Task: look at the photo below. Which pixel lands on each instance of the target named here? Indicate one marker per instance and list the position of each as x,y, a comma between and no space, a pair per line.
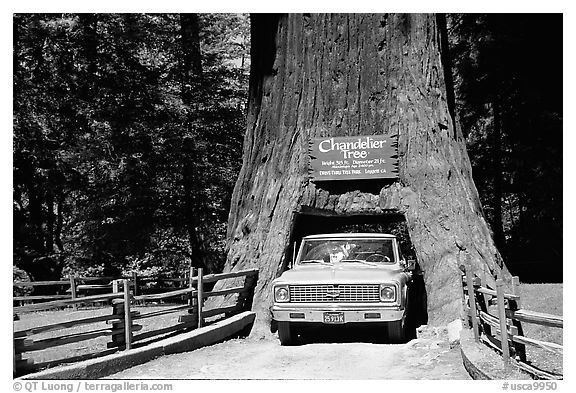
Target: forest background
128,133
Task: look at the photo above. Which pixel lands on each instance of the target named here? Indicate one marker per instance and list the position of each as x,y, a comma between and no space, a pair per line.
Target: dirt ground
344,355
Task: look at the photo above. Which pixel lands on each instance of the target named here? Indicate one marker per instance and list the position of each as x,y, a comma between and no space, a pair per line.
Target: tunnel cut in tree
311,222
356,74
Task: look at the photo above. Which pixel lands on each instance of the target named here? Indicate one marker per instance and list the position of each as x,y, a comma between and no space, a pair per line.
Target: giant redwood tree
346,75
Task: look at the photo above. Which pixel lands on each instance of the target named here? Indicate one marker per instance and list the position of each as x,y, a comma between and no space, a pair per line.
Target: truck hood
349,273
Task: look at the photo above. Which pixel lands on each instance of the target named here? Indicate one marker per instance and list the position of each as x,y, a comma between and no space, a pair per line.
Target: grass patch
87,348
546,298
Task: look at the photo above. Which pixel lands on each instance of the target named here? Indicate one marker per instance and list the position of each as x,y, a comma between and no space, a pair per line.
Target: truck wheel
396,332
286,333
409,331
410,319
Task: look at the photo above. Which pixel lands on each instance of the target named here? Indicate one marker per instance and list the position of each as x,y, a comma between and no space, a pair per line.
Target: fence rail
81,286
123,323
503,332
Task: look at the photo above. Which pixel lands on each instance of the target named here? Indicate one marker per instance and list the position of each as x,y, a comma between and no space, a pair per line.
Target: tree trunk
50,221
191,73
356,74
59,223
191,60
191,206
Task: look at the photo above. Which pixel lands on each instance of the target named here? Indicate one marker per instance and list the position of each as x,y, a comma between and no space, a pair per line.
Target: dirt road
427,357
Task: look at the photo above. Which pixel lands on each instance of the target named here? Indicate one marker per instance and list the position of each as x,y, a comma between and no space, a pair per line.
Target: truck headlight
281,294
387,293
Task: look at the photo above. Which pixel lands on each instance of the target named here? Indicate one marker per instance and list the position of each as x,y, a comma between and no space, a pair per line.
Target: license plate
333,317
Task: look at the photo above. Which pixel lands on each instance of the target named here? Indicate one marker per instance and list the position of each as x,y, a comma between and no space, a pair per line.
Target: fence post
191,317
503,325
190,285
484,283
73,291
519,349
117,339
191,297
127,315
245,299
200,295
472,302
516,290
115,286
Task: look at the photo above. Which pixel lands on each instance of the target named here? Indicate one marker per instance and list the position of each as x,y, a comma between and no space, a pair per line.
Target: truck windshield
375,251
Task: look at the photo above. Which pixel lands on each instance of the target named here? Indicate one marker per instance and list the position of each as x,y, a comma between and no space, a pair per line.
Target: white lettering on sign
353,149
355,157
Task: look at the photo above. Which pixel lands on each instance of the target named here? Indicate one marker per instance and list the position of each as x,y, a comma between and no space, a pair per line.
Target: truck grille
328,293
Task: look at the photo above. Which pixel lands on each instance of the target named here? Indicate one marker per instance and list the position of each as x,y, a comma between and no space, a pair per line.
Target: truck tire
411,317
409,332
286,333
396,332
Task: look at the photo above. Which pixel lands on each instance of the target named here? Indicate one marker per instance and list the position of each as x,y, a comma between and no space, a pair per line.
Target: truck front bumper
352,314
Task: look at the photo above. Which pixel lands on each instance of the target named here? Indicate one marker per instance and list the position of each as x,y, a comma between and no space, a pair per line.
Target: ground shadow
373,333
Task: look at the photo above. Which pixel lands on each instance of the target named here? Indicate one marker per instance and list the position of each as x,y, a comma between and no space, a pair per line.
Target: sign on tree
357,157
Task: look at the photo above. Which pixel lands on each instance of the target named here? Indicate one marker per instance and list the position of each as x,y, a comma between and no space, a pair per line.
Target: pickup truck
345,278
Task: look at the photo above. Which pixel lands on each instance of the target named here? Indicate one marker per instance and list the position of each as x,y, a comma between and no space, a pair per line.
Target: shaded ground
547,298
349,356
96,346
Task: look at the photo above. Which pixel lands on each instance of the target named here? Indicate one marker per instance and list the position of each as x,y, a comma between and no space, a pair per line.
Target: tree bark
191,70
191,61
59,222
356,74
35,199
191,207
50,221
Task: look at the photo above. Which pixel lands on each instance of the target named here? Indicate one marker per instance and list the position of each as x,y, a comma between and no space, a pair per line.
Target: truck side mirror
411,265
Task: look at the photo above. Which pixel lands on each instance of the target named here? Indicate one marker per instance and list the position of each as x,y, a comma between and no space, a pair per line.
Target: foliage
102,136
19,275
127,144
509,100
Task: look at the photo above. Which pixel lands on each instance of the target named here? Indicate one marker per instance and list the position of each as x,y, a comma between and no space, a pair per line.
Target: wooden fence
74,287
496,319
121,326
